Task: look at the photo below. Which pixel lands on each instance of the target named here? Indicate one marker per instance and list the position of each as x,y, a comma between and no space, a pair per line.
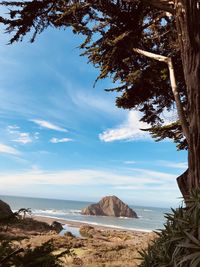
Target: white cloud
49,125
128,187
129,130
137,177
55,140
158,187
142,185
21,137
86,100
129,162
162,176
35,167
176,165
5,149
169,116
13,128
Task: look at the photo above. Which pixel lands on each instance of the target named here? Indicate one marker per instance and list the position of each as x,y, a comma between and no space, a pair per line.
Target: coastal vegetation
178,245
31,257
28,242
32,243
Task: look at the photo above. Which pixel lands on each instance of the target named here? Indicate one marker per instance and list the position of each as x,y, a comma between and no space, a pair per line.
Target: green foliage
178,245
12,255
40,256
5,250
112,29
23,222
15,216
173,131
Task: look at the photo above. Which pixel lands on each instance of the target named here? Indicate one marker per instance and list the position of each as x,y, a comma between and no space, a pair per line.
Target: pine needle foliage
172,131
178,245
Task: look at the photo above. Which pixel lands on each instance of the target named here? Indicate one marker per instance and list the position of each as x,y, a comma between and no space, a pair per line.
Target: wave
97,224
112,226
52,217
147,210
75,211
125,218
56,212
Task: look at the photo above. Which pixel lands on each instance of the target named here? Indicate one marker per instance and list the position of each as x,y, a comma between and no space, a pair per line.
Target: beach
93,241
96,246
100,246
149,218
78,224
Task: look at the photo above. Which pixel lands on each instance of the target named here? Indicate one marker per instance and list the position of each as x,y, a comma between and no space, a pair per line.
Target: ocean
150,218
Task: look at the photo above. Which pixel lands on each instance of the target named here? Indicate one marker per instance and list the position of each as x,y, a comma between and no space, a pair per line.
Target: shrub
40,256
178,244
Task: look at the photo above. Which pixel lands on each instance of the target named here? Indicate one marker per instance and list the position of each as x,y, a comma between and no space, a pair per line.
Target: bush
40,256
178,245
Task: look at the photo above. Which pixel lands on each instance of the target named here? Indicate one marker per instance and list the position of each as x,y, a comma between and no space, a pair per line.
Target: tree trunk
188,28
182,182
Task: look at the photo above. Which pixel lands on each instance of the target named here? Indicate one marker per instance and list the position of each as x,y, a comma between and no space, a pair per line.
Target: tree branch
177,98
165,5
5,259
151,55
179,105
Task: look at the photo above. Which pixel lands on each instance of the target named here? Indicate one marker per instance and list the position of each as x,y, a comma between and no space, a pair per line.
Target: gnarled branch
179,105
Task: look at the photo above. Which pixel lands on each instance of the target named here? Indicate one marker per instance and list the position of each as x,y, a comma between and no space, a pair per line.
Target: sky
62,138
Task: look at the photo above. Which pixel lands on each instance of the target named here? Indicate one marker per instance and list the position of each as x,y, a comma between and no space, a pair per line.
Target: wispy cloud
170,164
21,137
158,187
49,125
129,130
139,177
24,138
55,140
161,188
90,101
5,149
169,116
130,162
13,128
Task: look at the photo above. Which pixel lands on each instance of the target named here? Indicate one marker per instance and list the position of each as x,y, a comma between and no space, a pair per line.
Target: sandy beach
77,224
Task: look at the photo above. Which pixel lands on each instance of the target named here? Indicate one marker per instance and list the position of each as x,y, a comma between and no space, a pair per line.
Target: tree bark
187,14
182,182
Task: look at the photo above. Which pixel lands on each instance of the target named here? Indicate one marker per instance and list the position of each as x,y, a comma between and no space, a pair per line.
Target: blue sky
62,138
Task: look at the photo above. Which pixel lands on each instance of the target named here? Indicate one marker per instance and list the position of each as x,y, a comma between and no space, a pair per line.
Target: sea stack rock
5,210
110,206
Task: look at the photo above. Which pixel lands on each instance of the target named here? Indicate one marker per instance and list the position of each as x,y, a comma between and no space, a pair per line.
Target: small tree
24,212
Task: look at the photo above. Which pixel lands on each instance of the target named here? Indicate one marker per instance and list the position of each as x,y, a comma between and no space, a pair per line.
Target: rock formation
5,210
86,231
57,226
110,206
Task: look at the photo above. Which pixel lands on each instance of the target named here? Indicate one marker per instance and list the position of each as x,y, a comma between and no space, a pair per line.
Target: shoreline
97,246
77,224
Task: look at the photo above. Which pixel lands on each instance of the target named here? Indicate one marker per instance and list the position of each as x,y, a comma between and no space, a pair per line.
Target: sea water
150,218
